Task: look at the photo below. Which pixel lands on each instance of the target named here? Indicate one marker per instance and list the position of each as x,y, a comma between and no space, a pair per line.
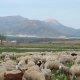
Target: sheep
74,71
47,73
65,59
12,55
9,64
26,63
30,63
7,57
78,78
21,64
24,57
2,70
64,70
77,61
51,57
35,67
33,75
20,54
4,53
52,65
13,75
1,75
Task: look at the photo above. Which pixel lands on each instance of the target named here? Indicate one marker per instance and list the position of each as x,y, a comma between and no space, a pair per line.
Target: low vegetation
37,47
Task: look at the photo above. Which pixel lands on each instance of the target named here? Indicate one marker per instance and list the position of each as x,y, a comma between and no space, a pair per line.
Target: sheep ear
60,67
19,69
24,70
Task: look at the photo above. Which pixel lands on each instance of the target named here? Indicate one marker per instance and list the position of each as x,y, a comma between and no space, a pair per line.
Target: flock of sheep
39,65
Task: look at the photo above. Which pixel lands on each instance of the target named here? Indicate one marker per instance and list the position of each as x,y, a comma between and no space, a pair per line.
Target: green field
39,47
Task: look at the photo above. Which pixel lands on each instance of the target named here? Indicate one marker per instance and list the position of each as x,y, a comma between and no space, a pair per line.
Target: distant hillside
14,25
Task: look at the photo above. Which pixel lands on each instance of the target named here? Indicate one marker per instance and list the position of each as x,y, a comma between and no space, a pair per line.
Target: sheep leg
73,78
23,78
68,77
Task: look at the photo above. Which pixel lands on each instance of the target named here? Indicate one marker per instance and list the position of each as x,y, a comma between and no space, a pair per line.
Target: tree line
2,38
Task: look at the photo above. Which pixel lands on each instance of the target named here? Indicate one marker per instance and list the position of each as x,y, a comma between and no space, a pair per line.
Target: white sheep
52,65
33,75
47,73
75,71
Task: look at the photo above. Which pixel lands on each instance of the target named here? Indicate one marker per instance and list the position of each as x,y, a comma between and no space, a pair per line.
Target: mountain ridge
16,25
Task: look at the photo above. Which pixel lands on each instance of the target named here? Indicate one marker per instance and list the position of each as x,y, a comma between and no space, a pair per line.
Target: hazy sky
65,11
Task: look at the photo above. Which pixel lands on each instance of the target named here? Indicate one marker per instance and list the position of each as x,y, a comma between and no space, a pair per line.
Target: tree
2,37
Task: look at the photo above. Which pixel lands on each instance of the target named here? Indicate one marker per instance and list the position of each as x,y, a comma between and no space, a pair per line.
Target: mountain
18,25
